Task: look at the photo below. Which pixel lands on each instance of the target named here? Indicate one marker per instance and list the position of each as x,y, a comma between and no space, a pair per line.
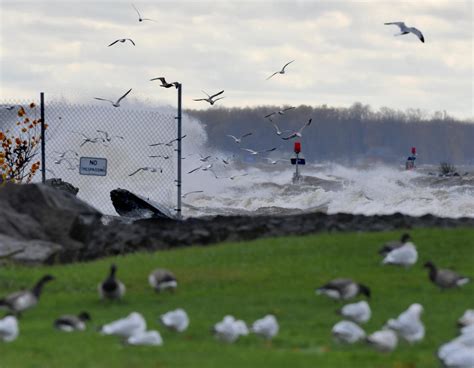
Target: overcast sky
342,50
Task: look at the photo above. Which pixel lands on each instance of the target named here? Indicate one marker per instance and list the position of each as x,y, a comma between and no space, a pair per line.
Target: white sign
93,166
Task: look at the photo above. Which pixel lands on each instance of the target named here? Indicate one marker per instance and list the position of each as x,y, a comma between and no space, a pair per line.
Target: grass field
247,280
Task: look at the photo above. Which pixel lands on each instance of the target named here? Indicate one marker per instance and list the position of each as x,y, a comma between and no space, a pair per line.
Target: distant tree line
346,135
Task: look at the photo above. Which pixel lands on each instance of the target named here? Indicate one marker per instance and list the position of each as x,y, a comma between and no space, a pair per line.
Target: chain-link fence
77,136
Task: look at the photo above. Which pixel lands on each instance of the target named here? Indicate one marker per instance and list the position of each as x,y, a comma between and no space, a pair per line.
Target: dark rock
58,183
129,204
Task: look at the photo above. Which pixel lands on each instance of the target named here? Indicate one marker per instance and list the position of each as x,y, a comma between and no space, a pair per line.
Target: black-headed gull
140,19
164,83
125,327
406,255
342,289
9,329
192,192
444,278
266,327
145,338
175,320
116,103
238,140
252,152
147,168
405,30
169,144
280,112
107,137
358,312
347,332
211,99
408,325
282,71
298,133
383,340
229,329
122,40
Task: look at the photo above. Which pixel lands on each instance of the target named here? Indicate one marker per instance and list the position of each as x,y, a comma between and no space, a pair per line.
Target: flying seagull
164,83
193,192
405,30
87,139
166,157
122,40
281,112
63,154
238,140
282,71
117,103
193,170
107,137
273,162
147,168
252,152
140,19
169,144
298,133
278,131
211,99
204,158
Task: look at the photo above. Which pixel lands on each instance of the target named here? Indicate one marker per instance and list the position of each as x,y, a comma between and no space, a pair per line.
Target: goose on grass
444,278
343,289
161,279
111,287
69,323
26,299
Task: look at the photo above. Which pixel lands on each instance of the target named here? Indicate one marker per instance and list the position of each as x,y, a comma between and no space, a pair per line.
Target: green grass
247,280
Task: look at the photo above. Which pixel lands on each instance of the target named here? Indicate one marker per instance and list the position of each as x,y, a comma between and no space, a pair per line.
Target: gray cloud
343,51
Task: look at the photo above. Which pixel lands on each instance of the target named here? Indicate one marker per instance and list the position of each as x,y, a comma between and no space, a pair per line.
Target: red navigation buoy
297,147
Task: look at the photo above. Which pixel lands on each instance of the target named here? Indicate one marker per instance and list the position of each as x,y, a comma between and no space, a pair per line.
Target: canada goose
383,340
229,329
347,332
125,327
342,289
445,279
111,288
145,338
69,323
358,312
176,320
9,328
266,327
408,325
161,279
23,300
405,30
391,245
406,255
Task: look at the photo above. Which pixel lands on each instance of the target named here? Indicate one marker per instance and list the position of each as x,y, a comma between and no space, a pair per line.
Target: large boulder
46,216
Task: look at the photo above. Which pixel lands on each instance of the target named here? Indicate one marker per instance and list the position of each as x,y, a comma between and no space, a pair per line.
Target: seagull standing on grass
298,133
211,99
238,140
122,40
266,327
125,327
405,30
405,255
358,312
383,340
116,103
347,332
176,320
9,330
164,83
282,71
408,325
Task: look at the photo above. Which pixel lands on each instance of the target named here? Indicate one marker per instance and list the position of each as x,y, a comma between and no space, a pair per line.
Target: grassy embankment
247,280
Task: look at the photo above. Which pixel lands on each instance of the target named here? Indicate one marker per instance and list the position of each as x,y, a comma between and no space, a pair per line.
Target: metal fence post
178,208
43,140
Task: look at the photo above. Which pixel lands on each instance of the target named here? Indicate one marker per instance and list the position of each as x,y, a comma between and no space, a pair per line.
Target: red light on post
297,147
413,150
